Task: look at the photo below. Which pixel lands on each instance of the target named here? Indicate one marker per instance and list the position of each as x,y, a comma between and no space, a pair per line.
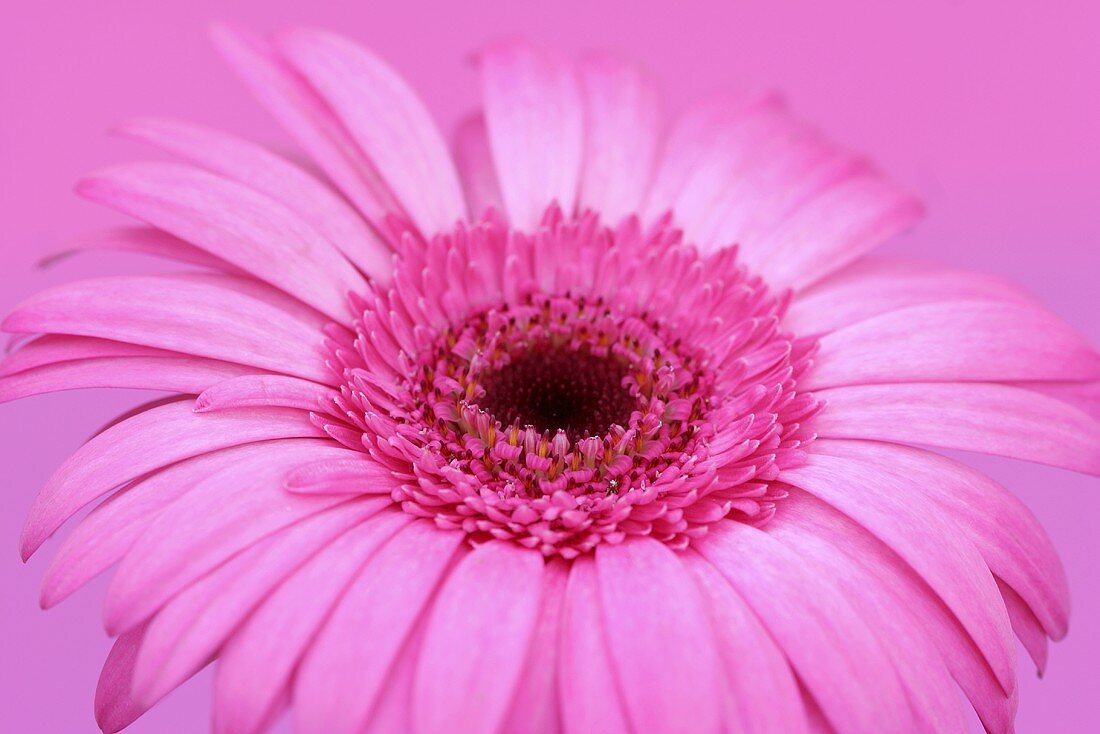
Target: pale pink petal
393,713
188,540
246,391
146,241
54,348
115,708
458,692
107,533
258,662
1082,395
590,695
300,110
183,636
346,668
388,121
763,694
622,130
953,341
659,636
355,473
890,509
535,116
185,314
271,174
872,286
234,222
841,223
171,374
836,654
1026,626
991,419
475,166
928,649
144,443
535,706
1004,531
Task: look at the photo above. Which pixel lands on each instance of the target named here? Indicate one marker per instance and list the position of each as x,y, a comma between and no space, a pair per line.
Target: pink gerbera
585,429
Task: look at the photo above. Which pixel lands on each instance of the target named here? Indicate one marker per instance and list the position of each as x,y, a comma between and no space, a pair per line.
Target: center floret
572,386
560,389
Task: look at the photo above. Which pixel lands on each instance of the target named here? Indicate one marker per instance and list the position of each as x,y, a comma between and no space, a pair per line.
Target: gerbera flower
586,428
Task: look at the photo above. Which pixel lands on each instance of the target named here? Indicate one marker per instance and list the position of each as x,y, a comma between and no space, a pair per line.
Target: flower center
560,389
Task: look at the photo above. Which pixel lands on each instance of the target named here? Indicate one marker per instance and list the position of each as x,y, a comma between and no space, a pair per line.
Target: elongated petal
300,110
833,650
535,116
992,419
875,285
587,685
249,229
146,241
257,664
115,708
1006,533
660,638
164,435
535,706
763,694
346,668
355,473
183,636
110,530
248,391
183,374
622,130
475,166
388,121
50,349
890,510
200,316
189,540
272,175
954,341
459,692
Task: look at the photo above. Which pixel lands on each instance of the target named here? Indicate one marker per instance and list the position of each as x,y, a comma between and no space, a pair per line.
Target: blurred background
988,110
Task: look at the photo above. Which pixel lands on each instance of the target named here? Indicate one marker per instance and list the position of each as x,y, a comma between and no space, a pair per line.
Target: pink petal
1082,395
873,286
247,391
622,129
924,642
488,604
763,694
838,225
207,317
248,229
1026,626
659,637
475,166
188,540
272,175
387,120
185,634
346,668
300,110
953,341
115,708
991,419
356,473
164,435
54,348
535,703
893,511
831,647
146,241
535,116
589,692
258,662
108,532
1002,528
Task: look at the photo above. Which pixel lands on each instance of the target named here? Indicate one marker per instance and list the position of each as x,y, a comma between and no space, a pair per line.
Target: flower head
584,428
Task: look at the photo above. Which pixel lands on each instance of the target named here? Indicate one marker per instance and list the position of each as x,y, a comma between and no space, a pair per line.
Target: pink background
989,110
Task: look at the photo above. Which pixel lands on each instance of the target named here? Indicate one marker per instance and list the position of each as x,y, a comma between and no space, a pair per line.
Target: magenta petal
659,636
252,391
115,708
458,692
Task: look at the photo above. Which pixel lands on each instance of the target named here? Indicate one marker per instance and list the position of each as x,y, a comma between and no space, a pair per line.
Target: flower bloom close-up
580,419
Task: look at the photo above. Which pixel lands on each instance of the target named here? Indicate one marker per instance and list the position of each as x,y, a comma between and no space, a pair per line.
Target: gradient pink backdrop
989,110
